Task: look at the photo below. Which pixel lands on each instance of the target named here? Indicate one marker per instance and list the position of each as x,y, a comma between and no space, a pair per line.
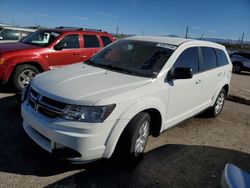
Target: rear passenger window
209,58
91,41
189,58
106,41
221,57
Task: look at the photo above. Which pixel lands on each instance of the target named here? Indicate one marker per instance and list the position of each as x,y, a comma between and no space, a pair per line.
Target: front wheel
133,140
23,74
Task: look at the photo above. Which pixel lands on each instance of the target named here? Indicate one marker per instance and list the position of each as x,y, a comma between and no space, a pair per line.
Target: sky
226,19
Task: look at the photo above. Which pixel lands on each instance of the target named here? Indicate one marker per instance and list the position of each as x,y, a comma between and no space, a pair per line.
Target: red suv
48,49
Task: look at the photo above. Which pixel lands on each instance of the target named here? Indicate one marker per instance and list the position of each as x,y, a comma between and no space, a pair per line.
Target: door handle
198,81
220,74
76,53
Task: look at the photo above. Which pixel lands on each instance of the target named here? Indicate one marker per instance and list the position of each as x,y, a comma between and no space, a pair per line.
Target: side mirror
60,46
182,73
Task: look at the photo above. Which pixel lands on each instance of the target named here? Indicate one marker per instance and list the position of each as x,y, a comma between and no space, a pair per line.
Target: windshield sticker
55,34
168,46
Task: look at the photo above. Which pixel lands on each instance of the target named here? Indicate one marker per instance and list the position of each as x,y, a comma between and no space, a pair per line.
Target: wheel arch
34,63
222,86
156,116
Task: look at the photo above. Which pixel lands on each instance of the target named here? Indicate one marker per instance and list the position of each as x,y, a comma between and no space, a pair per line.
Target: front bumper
88,139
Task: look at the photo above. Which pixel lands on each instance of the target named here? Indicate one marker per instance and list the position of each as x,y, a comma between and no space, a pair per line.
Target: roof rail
63,27
79,28
89,29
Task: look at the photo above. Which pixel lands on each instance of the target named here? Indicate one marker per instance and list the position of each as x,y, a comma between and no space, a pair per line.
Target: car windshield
138,58
41,38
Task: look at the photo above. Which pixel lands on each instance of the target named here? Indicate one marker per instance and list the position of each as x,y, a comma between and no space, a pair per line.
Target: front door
184,96
67,51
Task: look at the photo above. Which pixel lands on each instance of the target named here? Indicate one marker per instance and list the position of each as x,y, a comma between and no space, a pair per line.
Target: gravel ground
193,154
240,86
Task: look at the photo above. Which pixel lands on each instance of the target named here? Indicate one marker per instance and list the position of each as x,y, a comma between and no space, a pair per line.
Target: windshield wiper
89,62
113,67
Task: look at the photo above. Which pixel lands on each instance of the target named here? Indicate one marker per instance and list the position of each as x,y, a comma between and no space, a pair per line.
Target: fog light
58,146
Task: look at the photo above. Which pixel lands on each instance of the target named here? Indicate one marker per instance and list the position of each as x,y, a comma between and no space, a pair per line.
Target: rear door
67,51
91,45
185,93
212,74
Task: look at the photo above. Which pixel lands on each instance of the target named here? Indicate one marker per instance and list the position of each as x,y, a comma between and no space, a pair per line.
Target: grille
44,105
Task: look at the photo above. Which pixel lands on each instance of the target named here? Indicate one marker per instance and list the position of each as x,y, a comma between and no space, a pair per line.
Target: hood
84,84
9,47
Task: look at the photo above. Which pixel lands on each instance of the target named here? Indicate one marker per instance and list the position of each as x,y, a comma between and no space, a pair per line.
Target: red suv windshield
41,38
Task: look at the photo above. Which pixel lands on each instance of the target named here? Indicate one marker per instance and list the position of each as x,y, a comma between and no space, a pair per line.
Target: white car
133,88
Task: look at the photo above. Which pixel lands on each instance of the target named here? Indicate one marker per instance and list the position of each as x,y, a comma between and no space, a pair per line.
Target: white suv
133,88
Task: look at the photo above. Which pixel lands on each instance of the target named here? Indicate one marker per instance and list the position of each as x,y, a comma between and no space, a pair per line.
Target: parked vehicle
240,61
133,88
48,49
234,177
10,33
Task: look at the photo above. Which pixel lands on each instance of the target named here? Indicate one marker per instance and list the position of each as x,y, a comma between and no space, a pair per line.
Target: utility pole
12,17
187,32
201,36
241,42
117,30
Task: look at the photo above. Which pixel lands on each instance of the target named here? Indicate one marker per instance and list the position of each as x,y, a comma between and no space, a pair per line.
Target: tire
133,140
216,109
237,68
23,74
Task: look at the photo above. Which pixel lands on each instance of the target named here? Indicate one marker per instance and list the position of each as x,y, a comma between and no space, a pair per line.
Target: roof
169,40
172,40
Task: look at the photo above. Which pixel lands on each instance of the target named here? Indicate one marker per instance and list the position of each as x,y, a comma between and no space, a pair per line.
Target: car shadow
166,166
6,88
170,165
243,73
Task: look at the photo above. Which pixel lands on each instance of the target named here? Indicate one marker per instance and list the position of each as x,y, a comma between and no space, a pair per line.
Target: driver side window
69,42
189,58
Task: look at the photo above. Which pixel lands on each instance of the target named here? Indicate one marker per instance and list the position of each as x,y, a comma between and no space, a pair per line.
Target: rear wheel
133,140
23,74
216,109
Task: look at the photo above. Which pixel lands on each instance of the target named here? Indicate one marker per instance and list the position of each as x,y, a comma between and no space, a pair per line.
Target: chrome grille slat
50,106
41,106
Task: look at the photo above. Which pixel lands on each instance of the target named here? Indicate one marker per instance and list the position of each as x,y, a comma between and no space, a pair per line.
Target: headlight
1,60
91,114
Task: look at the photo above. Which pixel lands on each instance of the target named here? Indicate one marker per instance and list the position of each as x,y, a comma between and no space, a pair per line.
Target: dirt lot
193,154
240,86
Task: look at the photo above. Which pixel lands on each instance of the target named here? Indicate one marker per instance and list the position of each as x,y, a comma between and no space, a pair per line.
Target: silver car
10,33
240,61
